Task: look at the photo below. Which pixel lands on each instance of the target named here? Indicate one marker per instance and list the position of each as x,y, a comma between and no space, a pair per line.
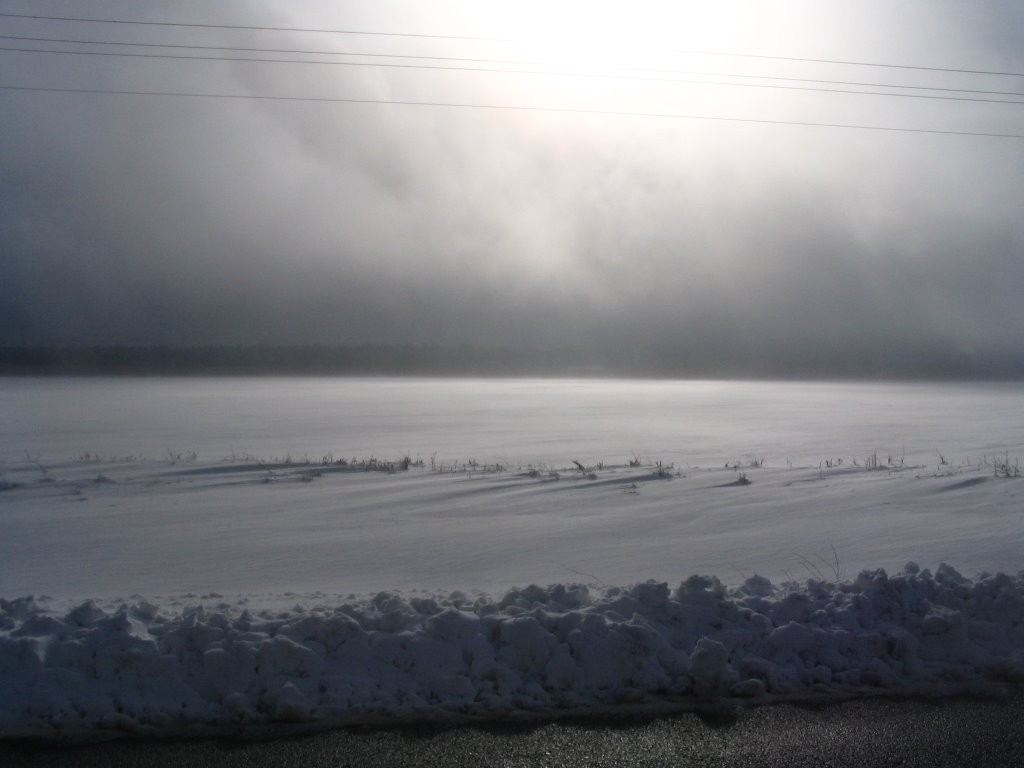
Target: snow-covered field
234,552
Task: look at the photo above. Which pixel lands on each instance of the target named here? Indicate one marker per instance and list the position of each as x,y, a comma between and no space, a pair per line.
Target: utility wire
253,28
508,107
520,62
450,68
250,27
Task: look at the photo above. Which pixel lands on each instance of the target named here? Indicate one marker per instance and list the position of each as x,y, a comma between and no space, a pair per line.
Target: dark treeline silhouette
364,359
692,361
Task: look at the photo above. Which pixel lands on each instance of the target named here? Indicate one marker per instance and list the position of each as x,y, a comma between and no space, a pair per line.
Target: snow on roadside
137,667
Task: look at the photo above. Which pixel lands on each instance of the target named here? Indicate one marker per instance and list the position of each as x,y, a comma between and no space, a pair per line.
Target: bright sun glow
650,56
645,56
606,34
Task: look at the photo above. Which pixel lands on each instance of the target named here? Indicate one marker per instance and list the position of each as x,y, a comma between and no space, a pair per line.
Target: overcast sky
130,219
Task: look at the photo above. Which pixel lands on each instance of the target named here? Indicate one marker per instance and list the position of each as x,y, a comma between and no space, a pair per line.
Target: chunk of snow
535,649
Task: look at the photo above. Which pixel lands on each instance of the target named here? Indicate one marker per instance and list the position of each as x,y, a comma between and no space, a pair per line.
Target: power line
522,62
852,63
251,27
450,68
508,107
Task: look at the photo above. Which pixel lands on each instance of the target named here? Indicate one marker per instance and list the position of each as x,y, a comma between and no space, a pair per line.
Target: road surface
863,733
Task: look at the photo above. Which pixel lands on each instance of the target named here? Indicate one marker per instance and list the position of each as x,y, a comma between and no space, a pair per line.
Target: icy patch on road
136,667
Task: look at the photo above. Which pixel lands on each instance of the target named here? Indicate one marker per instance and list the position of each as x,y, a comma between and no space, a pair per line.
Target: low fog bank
650,223
888,359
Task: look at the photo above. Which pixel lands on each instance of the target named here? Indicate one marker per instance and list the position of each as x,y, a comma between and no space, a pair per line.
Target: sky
659,181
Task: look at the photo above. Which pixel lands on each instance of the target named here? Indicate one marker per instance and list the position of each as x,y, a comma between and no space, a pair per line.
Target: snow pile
135,667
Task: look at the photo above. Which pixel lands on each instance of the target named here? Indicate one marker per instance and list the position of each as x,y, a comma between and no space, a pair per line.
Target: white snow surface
106,529
171,557
153,655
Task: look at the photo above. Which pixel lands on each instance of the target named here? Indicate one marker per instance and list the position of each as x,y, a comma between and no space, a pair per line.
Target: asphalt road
864,734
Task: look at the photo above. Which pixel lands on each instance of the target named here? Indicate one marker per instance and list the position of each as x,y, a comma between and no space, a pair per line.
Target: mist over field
705,243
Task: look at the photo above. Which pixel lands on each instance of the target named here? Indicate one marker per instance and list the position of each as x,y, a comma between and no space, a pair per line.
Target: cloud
190,221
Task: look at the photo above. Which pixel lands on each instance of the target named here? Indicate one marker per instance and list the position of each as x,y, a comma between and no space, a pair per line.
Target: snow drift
136,667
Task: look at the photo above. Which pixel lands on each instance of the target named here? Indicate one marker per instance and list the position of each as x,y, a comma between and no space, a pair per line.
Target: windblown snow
204,588
175,659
